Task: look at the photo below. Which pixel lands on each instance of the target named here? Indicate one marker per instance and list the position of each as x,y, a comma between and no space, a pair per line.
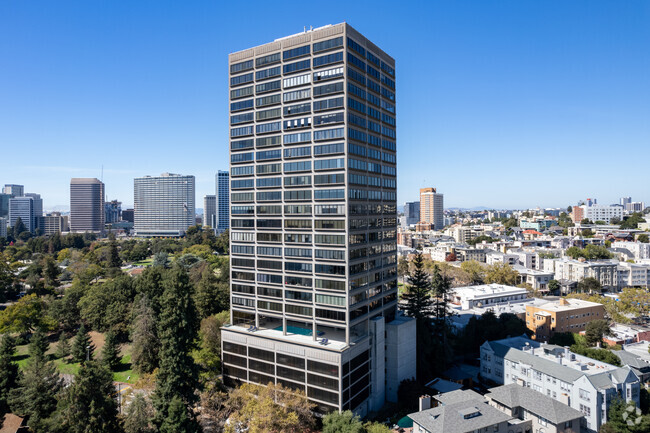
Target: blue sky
500,103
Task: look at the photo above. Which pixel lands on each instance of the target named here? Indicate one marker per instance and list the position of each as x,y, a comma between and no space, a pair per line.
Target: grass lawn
120,374
146,262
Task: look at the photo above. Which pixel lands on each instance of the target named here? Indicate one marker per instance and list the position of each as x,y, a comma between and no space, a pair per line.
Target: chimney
563,301
425,402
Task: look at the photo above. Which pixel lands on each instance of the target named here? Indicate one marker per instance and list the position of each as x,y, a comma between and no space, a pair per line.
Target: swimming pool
298,330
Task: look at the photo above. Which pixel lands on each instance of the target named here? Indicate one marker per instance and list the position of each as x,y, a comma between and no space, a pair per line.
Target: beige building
432,207
565,315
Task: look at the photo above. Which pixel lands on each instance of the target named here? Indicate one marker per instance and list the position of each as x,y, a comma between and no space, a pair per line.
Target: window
330,254
297,209
268,73
329,134
295,52
329,164
241,157
267,60
298,80
329,225
241,92
297,109
297,195
241,67
298,66
330,239
241,79
327,118
269,196
268,114
297,152
328,74
354,60
330,209
297,166
328,104
267,100
297,180
265,128
268,86
328,89
268,141
328,44
297,252
296,95
241,105
242,144
328,59
304,122
327,149
584,394
329,194
329,179
268,168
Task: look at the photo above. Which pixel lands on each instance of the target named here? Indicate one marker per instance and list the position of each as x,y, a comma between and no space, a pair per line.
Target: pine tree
38,344
88,404
178,420
440,286
139,415
177,330
114,260
63,347
418,295
144,354
110,351
82,346
8,371
35,395
19,227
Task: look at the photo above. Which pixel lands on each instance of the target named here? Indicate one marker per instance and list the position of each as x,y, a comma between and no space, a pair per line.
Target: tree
82,347
25,315
88,404
632,222
590,285
451,257
178,419
440,286
270,408
625,417
139,415
110,352
177,329
501,273
408,393
474,270
596,330
553,286
19,227
375,427
38,344
8,371
208,355
144,353
63,347
114,260
35,396
342,422
212,295
51,272
418,302
107,306
402,266
643,237
161,259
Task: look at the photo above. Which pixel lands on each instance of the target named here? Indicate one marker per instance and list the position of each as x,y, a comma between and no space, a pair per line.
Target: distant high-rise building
313,224
432,208
625,200
14,190
634,206
411,213
52,223
3,227
38,203
23,208
164,205
128,215
210,211
223,201
4,205
86,205
112,211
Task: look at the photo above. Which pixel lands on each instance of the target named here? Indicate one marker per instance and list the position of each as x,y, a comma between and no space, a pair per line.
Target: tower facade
223,201
164,205
313,218
210,211
432,207
86,205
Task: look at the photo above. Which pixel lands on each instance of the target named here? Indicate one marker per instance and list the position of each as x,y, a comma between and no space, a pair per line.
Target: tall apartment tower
411,213
625,201
164,205
432,208
38,204
23,208
86,205
210,211
14,190
223,201
313,223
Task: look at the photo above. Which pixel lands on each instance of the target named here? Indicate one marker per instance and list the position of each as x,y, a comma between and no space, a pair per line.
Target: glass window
328,44
328,59
241,92
327,74
295,52
298,80
240,67
267,60
297,109
328,134
241,79
268,73
297,66
267,100
269,86
328,89
328,104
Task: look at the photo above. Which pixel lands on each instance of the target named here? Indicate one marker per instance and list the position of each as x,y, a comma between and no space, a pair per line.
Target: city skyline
557,86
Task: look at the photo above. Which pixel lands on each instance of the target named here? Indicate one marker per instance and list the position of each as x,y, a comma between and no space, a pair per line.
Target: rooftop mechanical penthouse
313,221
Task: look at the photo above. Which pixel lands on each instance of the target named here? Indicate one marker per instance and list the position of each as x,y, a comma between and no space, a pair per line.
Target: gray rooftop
514,395
457,417
458,396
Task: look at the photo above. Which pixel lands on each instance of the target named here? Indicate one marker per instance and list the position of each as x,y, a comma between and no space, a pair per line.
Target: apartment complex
314,221
564,315
596,212
432,207
86,205
223,201
52,223
163,205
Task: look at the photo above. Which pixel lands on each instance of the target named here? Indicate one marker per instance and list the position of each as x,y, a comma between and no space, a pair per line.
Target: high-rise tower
223,201
313,223
432,207
86,205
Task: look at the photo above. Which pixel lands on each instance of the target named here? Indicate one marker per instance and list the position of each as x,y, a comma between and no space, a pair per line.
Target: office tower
223,201
14,190
112,211
86,205
432,207
38,203
128,215
52,223
23,208
313,224
625,200
4,205
164,205
3,227
210,211
634,206
411,212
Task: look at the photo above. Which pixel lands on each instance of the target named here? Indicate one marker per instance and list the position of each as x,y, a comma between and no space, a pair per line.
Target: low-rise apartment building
605,271
639,249
486,295
564,315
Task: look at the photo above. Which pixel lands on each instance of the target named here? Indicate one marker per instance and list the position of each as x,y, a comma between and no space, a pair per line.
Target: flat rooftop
336,340
571,304
488,291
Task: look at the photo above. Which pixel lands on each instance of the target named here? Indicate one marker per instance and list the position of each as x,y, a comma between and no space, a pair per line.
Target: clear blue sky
500,103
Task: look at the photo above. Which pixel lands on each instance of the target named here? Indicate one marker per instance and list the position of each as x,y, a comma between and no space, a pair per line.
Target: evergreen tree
63,347
110,351
440,286
36,393
144,354
8,371
38,344
178,419
88,404
114,260
82,347
177,330
418,295
19,227
139,415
